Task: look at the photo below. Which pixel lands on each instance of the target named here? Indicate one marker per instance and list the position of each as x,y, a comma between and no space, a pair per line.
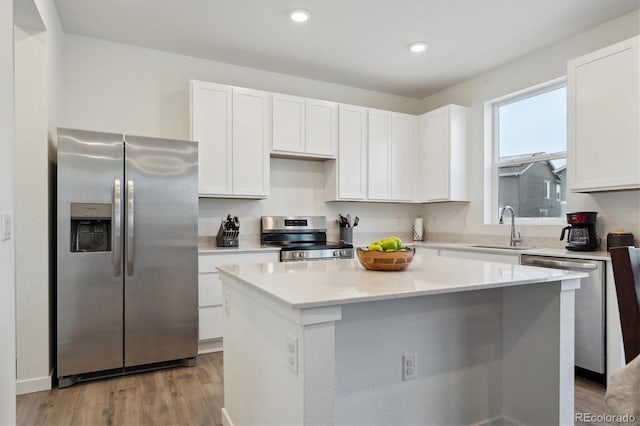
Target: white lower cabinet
210,318
210,298
209,289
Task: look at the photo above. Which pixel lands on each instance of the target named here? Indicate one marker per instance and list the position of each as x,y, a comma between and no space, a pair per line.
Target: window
530,151
547,189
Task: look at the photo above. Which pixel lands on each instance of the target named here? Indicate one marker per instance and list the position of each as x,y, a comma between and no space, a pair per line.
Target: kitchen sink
502,247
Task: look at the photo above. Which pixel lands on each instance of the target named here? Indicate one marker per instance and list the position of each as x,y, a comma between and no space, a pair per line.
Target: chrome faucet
514,240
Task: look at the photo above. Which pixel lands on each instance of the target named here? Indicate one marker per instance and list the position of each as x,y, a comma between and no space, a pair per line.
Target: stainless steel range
302,238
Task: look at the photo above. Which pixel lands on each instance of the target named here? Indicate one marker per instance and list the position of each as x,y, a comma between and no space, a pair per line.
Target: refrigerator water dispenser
90,227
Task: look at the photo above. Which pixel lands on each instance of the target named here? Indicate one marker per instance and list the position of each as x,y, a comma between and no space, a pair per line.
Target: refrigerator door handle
117,228
130,228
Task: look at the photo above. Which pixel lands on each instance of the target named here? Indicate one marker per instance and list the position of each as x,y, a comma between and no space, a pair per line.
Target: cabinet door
251,143
211,127
209,290
288,123
210,320
379,155
352,153
436,160
403,155
603,115
321,127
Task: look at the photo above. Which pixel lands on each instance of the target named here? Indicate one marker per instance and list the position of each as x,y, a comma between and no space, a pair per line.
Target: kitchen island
447,341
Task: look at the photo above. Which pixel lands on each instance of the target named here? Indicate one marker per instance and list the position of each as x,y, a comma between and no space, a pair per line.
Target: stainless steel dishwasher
590,311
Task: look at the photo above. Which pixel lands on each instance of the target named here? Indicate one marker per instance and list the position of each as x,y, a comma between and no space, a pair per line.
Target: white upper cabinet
211,127
442,155
379,147
251,131
603,143
403,156
288,123
304,127
347,176
322,127
392,148
232,127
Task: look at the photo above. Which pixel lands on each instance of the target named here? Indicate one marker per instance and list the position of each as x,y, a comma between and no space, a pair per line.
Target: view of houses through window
530,136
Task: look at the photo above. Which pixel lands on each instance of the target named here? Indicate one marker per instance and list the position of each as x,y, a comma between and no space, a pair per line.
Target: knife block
226,237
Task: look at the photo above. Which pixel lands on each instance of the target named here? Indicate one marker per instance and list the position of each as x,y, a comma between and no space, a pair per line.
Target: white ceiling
360,43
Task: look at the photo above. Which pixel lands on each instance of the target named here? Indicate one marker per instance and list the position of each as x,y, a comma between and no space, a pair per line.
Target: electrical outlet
409,366
292,353
227,303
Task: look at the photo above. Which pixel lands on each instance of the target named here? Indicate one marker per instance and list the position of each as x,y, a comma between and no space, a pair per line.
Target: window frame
492,142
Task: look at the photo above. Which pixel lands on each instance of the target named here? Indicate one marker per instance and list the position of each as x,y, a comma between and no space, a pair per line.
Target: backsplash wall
297,188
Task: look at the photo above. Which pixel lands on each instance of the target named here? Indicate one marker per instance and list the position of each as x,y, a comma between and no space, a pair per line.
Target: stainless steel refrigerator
127,289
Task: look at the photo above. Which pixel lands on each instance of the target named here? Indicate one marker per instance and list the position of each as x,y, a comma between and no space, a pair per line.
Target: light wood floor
179,396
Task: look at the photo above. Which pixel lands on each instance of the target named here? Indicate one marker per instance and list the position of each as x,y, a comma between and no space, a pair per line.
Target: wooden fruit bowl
385,261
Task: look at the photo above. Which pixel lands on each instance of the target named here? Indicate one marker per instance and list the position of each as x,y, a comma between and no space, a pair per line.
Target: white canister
418,229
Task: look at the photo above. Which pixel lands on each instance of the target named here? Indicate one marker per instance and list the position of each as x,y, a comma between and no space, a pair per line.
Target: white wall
38,90
55,64
31,224
619,209
7,248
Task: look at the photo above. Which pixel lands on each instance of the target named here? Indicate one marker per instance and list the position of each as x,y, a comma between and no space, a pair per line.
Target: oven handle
560,264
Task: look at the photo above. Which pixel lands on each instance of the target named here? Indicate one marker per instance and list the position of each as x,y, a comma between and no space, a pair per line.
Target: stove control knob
336,253
344,252
301,255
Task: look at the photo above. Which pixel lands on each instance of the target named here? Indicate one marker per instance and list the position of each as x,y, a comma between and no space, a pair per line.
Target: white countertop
248,247
315,284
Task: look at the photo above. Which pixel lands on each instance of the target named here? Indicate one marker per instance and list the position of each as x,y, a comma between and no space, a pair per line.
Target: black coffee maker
582,231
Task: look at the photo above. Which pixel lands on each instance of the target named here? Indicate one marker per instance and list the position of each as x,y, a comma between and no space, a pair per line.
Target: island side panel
458,342
538,346
260,387
319,367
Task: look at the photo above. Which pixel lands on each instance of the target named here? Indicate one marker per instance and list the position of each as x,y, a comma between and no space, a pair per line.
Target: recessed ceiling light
300,15
419,47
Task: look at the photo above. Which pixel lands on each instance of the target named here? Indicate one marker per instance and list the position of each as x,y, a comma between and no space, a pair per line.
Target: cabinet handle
116,242
130,228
